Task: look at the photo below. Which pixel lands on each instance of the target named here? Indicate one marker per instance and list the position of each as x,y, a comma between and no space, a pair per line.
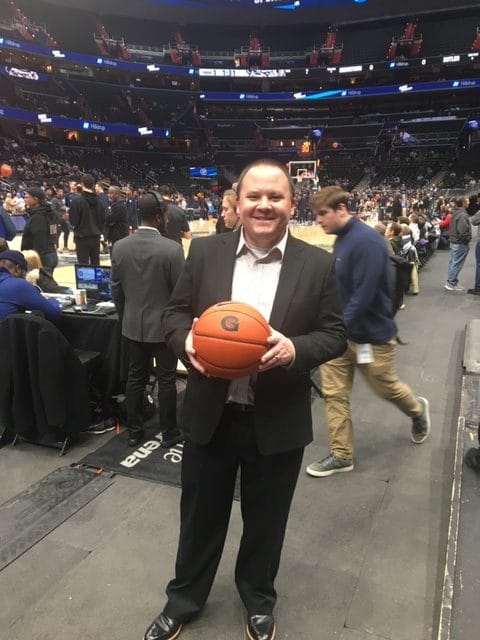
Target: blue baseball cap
16,257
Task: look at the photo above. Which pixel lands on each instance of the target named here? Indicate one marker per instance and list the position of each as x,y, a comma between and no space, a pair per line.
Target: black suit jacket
306,308
116,222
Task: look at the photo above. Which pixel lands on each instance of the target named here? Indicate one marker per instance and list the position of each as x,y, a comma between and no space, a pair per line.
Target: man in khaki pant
363,273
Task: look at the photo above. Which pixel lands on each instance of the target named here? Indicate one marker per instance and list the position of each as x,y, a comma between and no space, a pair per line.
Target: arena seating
440,34
385,131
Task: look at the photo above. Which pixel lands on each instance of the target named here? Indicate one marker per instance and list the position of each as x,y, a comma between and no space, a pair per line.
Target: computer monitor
95,280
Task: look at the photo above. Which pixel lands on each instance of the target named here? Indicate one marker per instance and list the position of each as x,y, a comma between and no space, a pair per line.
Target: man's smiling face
265,205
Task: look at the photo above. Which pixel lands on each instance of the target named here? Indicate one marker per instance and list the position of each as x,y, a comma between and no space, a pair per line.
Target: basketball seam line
232,339
217,366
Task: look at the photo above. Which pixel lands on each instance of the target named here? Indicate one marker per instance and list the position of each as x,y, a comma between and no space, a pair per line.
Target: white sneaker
456,287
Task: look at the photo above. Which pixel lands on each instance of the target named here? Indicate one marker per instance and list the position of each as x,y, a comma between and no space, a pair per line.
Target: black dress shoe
261,627
134,439
163,628
171,438
475,292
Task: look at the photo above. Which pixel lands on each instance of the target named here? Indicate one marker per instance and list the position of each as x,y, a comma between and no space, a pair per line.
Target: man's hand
191,353
280,354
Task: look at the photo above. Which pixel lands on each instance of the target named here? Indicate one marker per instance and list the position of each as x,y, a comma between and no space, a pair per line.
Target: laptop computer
96,281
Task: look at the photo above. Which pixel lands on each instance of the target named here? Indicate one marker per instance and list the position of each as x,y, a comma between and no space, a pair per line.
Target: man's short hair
266,162
395,228
38,193
88,181
151,205
461,201
329,198
165,190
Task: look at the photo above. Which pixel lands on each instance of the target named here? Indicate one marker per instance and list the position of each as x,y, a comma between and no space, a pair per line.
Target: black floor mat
148,461
36,512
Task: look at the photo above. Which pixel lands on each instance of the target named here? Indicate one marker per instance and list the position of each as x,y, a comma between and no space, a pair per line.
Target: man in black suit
145,268
260,423
116,217
177,223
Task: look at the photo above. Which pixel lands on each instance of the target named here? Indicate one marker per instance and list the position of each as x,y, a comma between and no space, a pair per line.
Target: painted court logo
230,323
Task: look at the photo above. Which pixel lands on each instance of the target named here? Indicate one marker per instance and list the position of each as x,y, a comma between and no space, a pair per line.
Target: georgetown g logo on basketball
230,323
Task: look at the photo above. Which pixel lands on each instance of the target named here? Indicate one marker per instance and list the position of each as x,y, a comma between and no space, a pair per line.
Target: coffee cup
80,297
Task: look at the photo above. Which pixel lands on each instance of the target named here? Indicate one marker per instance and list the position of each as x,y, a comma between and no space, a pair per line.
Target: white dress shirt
255,281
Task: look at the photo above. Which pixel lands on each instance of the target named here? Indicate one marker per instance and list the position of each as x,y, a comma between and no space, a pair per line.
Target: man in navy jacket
363,273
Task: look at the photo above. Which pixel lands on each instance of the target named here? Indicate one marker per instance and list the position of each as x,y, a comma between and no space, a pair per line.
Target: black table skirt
102,334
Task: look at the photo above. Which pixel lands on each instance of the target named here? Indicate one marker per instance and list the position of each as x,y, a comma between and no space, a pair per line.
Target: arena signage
72,124
243,73
338,94
177,70
95,61
23,74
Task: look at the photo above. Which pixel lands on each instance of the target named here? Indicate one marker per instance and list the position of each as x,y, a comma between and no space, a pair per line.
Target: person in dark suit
261,423
397,208
145,268
177,223
132,209
116,217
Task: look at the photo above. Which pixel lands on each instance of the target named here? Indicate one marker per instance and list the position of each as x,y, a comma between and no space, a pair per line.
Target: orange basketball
6,170
230,338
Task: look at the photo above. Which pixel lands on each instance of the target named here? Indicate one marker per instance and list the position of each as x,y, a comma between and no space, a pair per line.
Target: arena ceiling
264,12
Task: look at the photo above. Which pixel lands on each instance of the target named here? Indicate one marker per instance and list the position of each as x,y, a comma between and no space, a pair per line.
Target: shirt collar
144,226
280,246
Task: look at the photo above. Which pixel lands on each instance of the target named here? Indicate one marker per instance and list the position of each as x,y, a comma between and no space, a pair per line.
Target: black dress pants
88,250
65,229
208,481
140,356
